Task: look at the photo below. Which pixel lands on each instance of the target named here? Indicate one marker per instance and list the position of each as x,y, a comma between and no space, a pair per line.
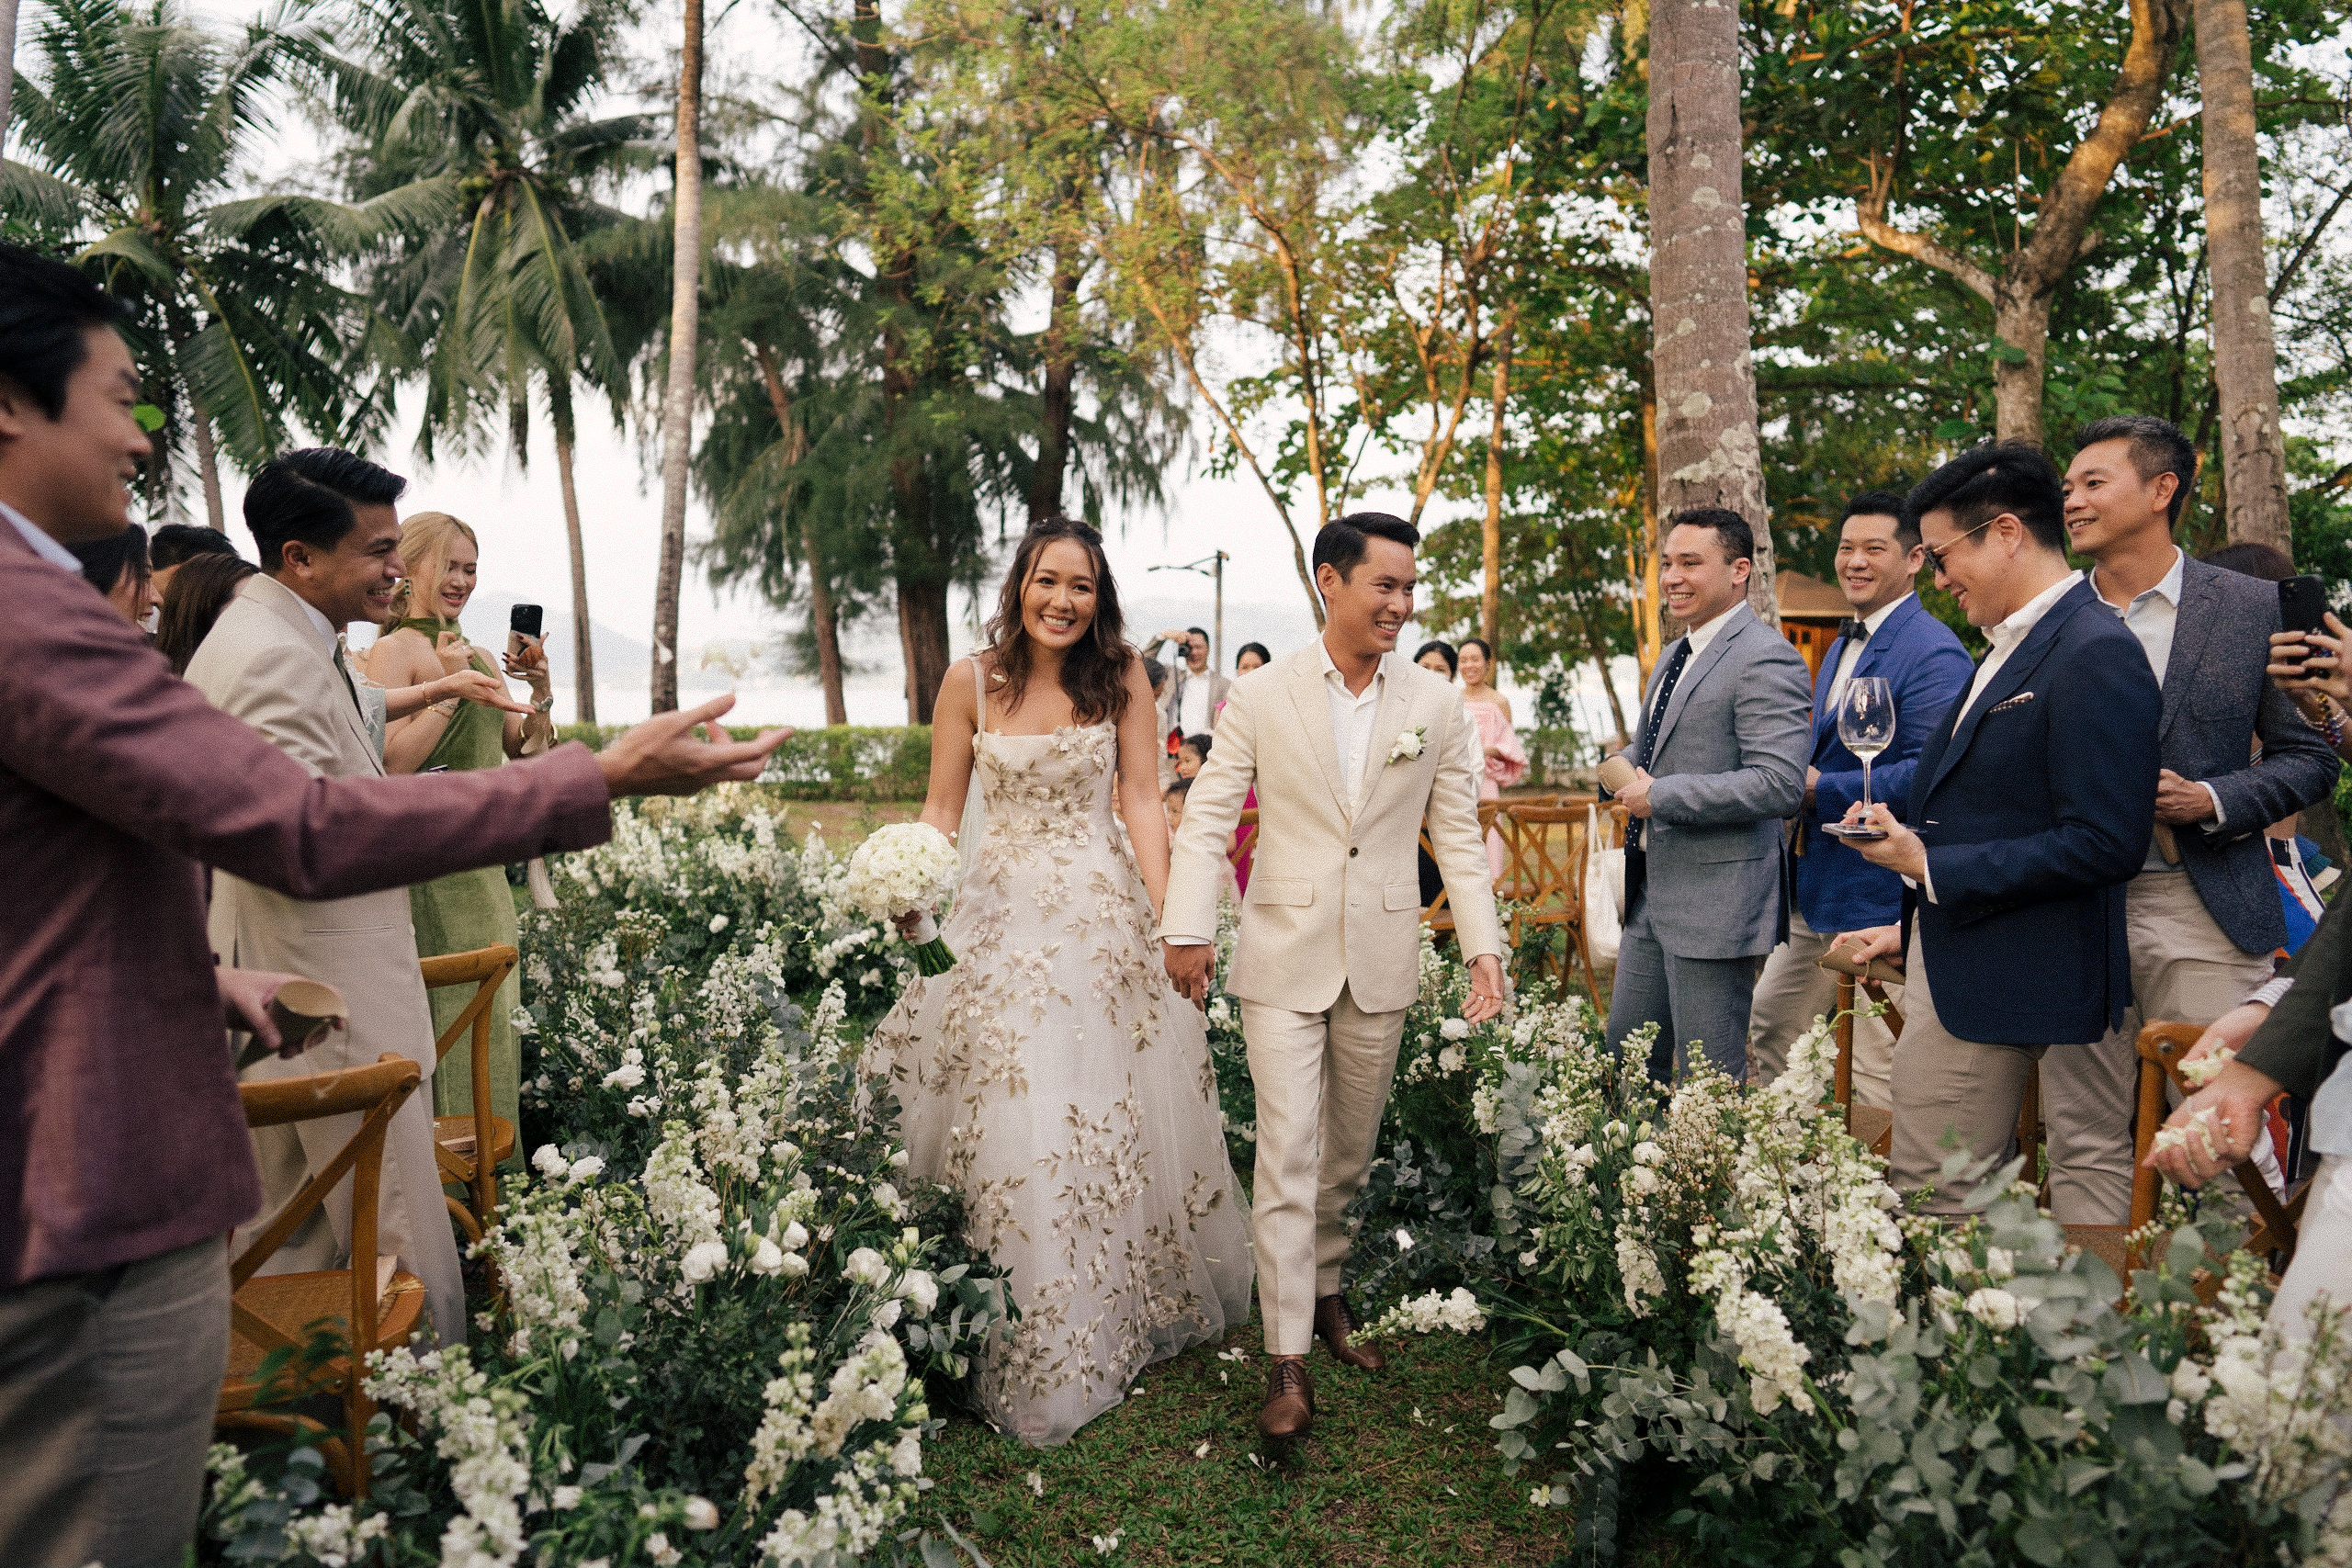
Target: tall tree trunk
208,465
584,640
8,70
2245,363
678,396
923,632
1708,452
1490,593
823,619
1061,381
2022,291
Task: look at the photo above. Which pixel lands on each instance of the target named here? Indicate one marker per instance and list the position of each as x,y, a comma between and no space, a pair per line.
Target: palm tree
472,118
139,122
678,389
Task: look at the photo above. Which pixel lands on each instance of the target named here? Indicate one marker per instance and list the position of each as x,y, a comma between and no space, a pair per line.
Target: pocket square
2016,702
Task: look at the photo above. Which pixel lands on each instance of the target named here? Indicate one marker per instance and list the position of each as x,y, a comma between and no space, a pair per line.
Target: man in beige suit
326,528
1349,746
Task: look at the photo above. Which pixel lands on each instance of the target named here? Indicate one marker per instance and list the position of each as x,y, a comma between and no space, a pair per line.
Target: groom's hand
1486,988
1188,965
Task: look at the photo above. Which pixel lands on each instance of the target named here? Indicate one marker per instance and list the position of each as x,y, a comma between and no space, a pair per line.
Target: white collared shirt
1698,637
1353,714
2154,617
328,635
49,549
1193,689
1852,656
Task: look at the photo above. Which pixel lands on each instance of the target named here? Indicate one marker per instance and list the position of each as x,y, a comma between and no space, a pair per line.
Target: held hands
1486,990
663,756
1189,965
1901,850
1635,796
2228,1114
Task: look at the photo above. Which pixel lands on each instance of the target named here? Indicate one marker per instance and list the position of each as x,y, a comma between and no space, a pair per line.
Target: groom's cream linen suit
1328,958
268,661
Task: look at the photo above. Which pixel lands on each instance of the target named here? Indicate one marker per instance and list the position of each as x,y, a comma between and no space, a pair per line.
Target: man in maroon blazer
124,1160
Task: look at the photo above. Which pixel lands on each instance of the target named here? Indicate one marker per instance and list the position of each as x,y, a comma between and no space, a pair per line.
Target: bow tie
1858,631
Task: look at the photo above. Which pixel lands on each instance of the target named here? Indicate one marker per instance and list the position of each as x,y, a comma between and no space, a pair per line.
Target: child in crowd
1189,756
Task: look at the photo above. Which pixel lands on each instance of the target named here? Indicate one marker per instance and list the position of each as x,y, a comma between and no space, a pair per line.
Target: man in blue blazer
1890,635
2030,810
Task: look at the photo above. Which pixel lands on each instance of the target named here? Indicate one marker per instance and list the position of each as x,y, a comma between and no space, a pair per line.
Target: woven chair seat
292,1302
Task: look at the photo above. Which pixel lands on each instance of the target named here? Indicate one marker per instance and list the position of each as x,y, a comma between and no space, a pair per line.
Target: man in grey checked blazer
1720,759
2202,917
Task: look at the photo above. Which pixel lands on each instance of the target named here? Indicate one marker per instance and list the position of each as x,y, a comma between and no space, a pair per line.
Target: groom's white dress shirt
1351,715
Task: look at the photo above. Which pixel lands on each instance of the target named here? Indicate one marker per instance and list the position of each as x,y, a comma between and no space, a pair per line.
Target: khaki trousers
2184,970
1793,991
1322,1081
107,1385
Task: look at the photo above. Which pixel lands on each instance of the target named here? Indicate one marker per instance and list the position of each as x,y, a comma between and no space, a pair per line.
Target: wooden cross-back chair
1439,913
2277,1223
364,1308
469,1149
1871,1127
1544,847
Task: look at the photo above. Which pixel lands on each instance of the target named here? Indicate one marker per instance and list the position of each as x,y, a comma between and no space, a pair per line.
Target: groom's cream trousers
1322,1079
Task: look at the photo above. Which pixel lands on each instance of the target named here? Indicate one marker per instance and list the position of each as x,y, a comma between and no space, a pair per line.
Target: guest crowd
204,794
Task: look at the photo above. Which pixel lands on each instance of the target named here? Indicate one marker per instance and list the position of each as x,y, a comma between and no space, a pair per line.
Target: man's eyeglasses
1936,553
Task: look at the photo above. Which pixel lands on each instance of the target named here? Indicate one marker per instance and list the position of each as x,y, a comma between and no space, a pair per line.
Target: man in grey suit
1719,760
2203,915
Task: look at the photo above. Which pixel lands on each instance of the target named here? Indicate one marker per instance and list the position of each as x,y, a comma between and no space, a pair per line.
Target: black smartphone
528,618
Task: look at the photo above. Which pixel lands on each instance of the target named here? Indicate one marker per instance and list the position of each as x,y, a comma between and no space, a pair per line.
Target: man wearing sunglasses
2032,807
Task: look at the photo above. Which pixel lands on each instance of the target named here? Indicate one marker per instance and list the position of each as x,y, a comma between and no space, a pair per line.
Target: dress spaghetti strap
979,697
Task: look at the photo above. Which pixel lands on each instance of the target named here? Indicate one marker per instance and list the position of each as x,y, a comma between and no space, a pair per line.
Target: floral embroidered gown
1058,1080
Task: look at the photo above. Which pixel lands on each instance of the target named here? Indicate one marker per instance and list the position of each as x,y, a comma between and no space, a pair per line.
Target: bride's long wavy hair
1094,671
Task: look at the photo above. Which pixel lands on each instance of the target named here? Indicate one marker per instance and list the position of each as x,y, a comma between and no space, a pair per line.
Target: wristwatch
543,704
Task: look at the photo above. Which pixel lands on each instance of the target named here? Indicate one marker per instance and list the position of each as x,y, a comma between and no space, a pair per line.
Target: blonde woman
421,642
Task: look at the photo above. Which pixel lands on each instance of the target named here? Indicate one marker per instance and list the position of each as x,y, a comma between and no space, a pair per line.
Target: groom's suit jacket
1334,895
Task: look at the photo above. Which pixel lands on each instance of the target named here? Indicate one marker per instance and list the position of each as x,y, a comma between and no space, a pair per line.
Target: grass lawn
1401,1469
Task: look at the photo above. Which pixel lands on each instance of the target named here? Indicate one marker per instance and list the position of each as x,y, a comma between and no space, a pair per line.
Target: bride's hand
909,922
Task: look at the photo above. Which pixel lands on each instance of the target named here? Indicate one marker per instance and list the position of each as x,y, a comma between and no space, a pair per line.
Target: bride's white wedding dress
1058,1081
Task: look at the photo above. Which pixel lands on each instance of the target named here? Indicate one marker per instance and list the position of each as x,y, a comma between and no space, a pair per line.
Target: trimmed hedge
844,762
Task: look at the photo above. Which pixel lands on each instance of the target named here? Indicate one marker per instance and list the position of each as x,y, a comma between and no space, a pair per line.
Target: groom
1350,745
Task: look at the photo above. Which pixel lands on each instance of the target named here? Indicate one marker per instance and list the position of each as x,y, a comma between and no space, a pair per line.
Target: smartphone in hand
2302,601
527,619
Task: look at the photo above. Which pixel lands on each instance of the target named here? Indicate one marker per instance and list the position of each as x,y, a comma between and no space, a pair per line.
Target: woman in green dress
420,641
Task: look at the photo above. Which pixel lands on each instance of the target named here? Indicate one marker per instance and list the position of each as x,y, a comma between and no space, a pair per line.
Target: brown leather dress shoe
1333,1324
1289,1409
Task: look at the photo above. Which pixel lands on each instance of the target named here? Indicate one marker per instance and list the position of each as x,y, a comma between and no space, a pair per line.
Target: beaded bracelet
2333,730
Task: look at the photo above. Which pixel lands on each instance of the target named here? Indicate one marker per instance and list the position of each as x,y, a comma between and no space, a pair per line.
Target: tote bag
1604,891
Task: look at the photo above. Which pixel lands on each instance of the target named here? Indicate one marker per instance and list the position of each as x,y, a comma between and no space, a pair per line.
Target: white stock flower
702,1261
567,1498
1995,1308
866,1267
718,924
658,1547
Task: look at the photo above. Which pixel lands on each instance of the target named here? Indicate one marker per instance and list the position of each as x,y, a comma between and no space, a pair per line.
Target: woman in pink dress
1490,711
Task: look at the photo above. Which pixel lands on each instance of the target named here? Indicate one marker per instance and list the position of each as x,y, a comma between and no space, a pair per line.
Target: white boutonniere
1408,744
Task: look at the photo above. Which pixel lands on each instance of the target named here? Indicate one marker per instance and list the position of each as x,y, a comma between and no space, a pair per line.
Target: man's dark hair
1985,481
105,560
177,543
2268,562
1201,632
307,496
1731,530
1884,504
2158,448
45,312
1340,545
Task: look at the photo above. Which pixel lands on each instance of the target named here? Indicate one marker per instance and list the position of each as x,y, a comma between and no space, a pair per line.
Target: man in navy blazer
2030,810
2203,916
1890,635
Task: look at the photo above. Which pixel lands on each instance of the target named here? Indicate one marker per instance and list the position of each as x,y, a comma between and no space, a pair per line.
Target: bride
1053,1077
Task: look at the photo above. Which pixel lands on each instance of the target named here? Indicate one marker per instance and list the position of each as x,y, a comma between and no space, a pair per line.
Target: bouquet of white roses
905,868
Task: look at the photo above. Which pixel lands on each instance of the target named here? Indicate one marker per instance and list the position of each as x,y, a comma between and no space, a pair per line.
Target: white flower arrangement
905,868
1408,744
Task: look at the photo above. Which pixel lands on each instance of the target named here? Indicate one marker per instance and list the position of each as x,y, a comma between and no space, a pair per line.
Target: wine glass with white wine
1866,724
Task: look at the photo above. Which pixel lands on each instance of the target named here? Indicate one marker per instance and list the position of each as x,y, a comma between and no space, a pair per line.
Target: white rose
703,1259
794,1237
795,1266
920,1290
1641,1179
1647,1153
628,1074
702,1514
583,1169
865,1267
1995,1309
766,1259
1454,1029
549,1161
